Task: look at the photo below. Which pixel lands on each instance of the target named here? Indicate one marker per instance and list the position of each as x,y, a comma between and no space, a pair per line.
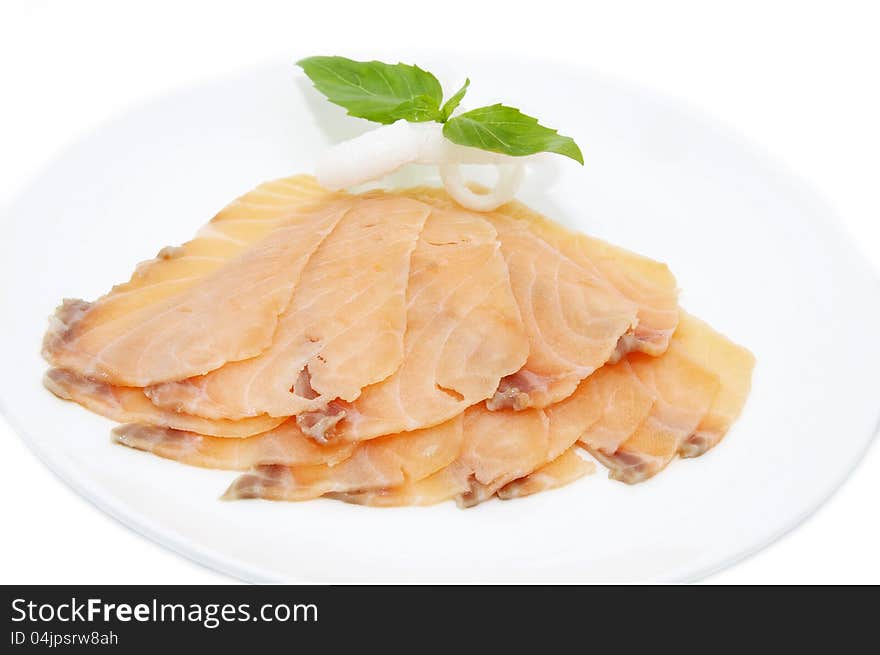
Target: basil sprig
382,93
386,93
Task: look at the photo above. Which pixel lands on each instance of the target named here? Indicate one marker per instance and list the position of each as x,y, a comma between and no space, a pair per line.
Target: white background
798,78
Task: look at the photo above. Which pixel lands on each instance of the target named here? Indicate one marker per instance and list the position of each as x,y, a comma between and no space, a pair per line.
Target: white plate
756,254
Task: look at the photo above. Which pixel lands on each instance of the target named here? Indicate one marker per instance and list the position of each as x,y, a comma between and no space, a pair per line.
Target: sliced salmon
380,463
701,386
498,447
455,482
501,446
683,394
342,331
622,401
733,365
389,349
566,468
285,445
573,317
649,405
564,423
463,335
488,449
505,445
446,484
130,405
214,300
648,283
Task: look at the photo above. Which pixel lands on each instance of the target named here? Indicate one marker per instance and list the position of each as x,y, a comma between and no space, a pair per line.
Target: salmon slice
445,484
573,317
634,416
693,412
733,365
214,300
602,413
505,445
563,424
684,391
501,446
380,463
648,283
463,335
623,402
285,445
342,331
130,405
496,448
566,468
454,482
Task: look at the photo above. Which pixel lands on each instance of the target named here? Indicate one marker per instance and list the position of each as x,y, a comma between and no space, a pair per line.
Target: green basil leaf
508,131
379,92
452,104
418,110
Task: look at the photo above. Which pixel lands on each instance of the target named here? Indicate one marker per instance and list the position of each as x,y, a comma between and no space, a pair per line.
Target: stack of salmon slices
392,348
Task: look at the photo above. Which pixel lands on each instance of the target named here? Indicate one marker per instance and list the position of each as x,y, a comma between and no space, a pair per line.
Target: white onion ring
510,177
377,153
